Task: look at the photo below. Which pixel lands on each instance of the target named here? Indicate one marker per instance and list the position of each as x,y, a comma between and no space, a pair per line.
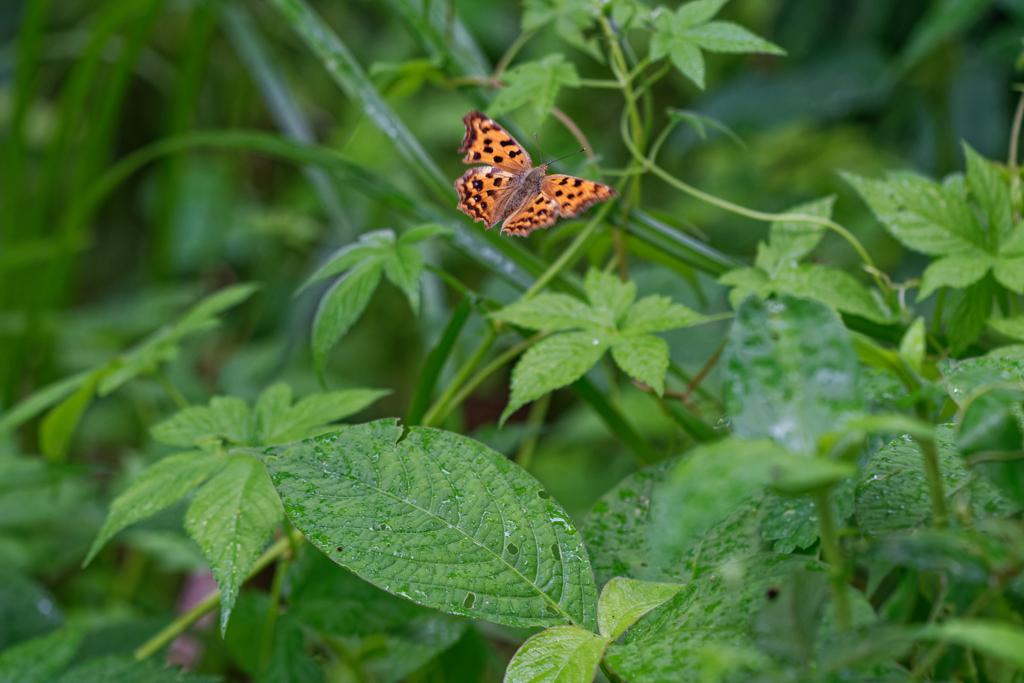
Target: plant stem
472,384
511,52
930,453
280,571
933,655
834,557
648,165
599,83
431,419
179,625
535,420
940,301
699,377
172,391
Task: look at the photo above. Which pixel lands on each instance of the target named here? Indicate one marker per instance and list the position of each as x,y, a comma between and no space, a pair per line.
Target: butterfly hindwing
484,194
574,195
486,142
539,212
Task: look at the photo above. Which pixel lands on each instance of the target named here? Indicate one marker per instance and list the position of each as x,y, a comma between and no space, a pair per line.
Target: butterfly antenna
567,156
540,155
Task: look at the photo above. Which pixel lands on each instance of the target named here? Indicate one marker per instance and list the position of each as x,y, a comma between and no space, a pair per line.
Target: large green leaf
893,493
551,311
958,270
994,638
619,528
992,193
790,241
127,670
656,314
341,306
644,358
561,654
40,659
790,372
681,35
231,519
835,288
227,417
623,601
538,82
610,297
162,484
552,363
921,214
439,519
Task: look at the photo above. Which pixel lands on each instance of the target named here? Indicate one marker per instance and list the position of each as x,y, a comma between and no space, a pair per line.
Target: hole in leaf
556,552
543,495
470,599
512,549
383,527
405,433
550,610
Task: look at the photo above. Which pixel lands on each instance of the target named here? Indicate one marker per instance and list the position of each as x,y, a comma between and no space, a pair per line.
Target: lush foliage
254,363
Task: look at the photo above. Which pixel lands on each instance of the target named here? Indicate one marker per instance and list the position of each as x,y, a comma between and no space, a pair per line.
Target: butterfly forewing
574,195
488,143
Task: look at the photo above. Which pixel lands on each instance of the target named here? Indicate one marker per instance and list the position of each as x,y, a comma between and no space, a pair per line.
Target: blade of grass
680,246
441,35
245,37
435,363
201,26
346,71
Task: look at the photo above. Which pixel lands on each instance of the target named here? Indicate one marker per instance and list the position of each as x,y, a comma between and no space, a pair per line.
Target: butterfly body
513,191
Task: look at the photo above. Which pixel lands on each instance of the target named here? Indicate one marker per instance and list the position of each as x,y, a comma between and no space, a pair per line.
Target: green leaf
40,400
835,288
998,639
745,282
421,233
958,270
921,214
619,529
551,311
790,241
624,601
644,358
374,245
561,654
162,345
992,193
411,646
60,424
311,413
681,34
551,364
39,660
725,36
706,487
231,519
538,82
791,522
569,17
126,670
790,372
157,487
341,306
656,314
893,491
439,519
1009,272
990,423
289,661
403,269
27,609
609,296
913,345
1011,327
226,417
968,319
675,642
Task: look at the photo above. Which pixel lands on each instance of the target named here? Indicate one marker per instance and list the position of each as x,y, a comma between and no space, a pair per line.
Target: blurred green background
867,85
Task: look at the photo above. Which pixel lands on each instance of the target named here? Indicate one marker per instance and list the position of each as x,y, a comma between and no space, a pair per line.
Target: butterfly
511,188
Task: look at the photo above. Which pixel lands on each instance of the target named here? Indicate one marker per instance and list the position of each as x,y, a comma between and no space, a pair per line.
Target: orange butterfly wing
575,195
539,212
484,194
486,142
